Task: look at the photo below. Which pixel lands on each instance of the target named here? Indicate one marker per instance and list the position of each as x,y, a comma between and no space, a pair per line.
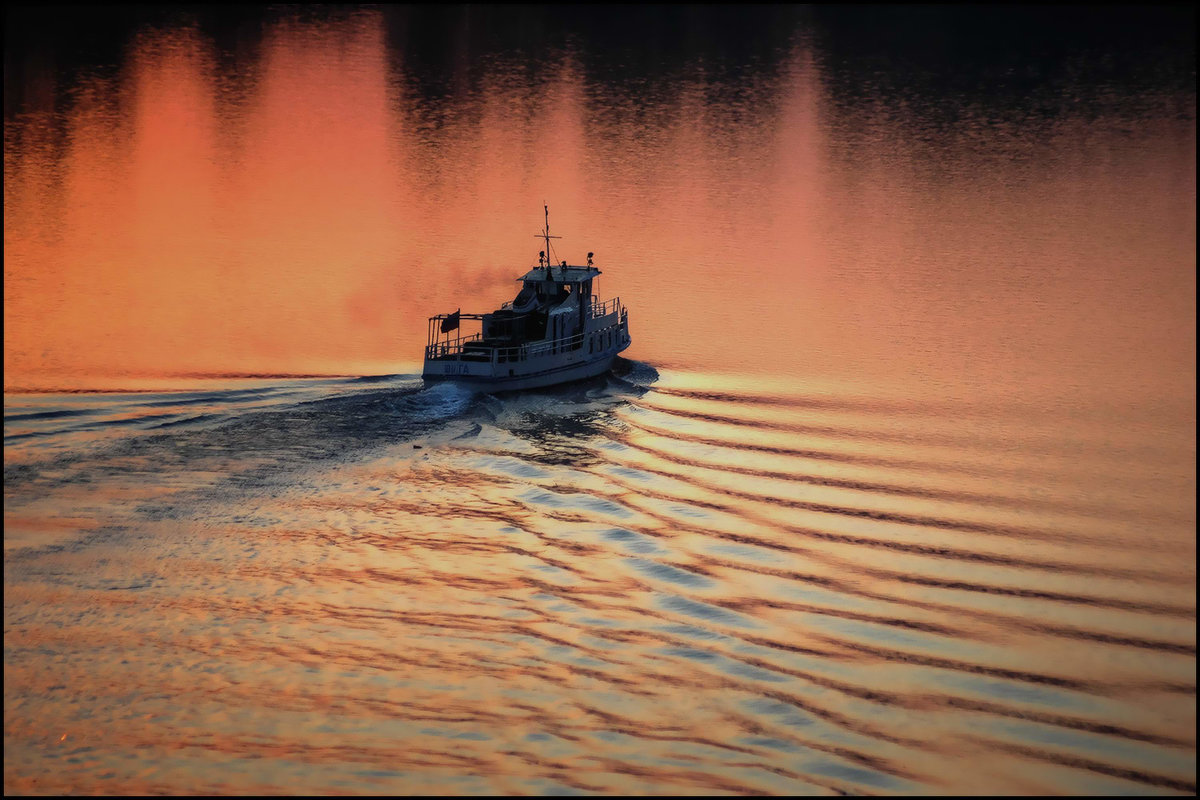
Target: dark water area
893,493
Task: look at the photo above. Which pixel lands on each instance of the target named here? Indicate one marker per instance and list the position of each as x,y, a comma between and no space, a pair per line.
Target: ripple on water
689,597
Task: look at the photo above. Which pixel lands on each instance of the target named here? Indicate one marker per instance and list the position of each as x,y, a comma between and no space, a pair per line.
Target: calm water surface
894,492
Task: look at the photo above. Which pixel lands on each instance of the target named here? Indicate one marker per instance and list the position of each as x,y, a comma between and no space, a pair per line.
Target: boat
555,330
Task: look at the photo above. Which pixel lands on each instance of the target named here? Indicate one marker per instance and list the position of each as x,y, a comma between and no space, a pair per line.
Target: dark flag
450,322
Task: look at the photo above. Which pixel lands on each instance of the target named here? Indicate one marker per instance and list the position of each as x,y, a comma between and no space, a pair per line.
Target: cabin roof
568,274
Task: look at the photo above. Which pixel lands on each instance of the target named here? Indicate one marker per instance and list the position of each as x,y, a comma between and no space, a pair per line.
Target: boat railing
528,350
602,307
598,308
450,347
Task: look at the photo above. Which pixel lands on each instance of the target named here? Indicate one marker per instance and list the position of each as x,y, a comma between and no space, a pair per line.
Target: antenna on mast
546,235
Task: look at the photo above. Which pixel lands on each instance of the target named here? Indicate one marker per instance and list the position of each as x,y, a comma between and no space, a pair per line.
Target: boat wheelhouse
554,331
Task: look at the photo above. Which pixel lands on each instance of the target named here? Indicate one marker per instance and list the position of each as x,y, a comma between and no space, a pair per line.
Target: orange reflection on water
305,213
308,214
682,586
764,569
205,226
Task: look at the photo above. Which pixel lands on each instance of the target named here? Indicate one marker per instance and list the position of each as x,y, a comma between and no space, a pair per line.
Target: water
894,493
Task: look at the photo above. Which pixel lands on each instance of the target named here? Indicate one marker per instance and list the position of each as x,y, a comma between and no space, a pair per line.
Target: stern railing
452,349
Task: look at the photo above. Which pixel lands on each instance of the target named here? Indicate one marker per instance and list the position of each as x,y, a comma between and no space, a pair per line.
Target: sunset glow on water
894,491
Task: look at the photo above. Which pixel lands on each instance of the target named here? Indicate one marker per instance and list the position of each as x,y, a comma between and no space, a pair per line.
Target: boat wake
215,442
631,584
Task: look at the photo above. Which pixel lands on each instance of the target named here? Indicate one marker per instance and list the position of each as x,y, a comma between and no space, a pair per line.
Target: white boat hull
531,374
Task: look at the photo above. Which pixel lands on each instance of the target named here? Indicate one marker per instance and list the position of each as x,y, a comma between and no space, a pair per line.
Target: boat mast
546,235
